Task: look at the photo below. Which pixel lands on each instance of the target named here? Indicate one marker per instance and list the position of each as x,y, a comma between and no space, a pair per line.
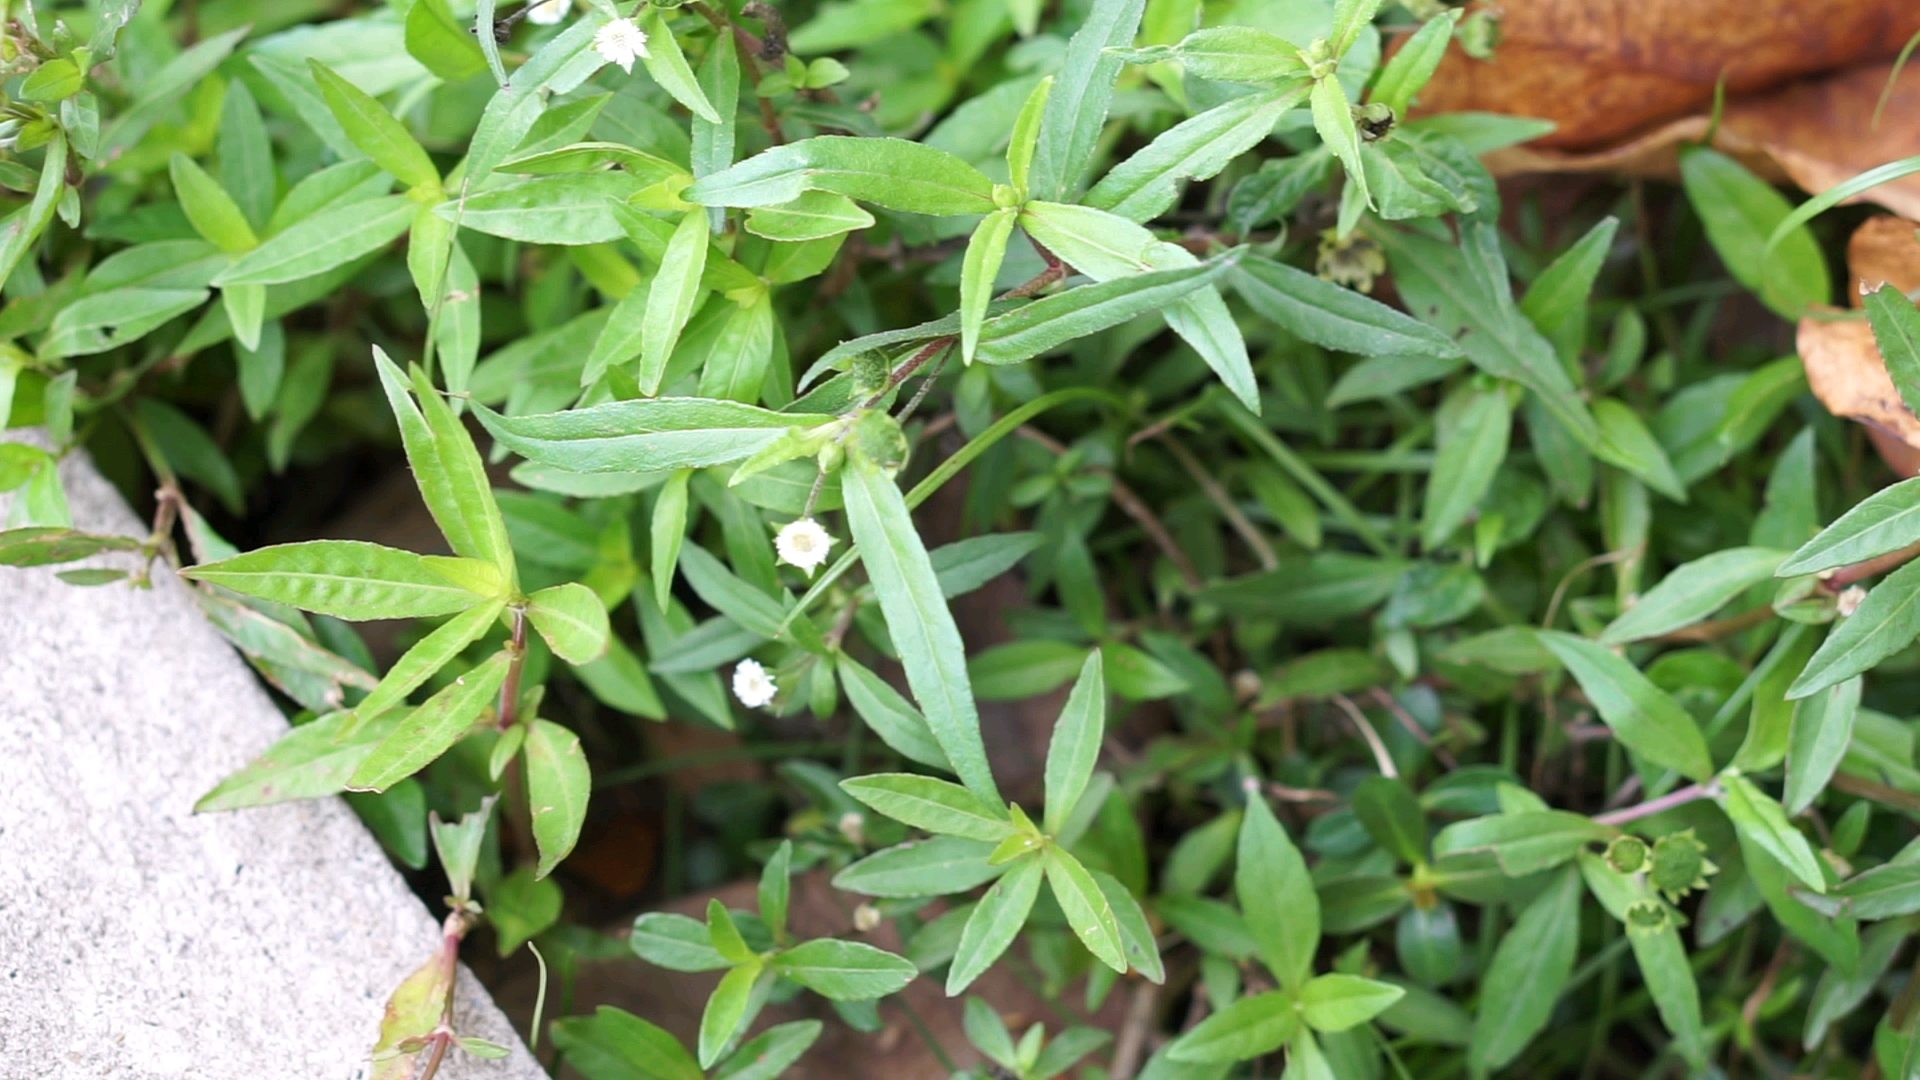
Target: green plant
1300,542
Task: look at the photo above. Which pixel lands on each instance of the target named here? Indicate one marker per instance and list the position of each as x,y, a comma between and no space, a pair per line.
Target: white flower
548,12
804,544
621,42
1849,599
752,685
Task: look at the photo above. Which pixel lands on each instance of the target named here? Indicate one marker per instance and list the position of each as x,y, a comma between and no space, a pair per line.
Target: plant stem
1678,797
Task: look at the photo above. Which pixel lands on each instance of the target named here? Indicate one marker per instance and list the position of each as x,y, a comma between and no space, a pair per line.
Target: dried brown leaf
1604,69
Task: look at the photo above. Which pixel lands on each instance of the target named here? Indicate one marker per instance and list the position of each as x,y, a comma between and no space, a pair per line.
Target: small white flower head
804,544
1848,601
548,12
865,918
753,685
621,42
853,826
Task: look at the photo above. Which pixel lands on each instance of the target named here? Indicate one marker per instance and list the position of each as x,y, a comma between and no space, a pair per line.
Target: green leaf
1822,729
1738,208
1026,136
1762,822
1642,716
1885,521
668,66
1556,302
1249,1028
458,845
21,228
107,320
1239,54
1333,118
726,1012
1318,590
1147,184
374,130
447,467
558,784
160,94
917,618
347,579
713,144
985,251
776,890
1085,905
988,1033
619,679
1338,318
213,212
845,970
331,238
429,730
942,866
1884,892
1413,65
53,80
1337,1002
570,208
45,546
667,532
815,215
309,762
511,112
671,297
1463,292
1626,442
1077,737
900,175
1076,109
1470,454
1277,895
891,716
1529,970
768,1055
1692,592
1392,816
1044,325
1835,940
647,435
1896,329
572,619
1524,843
437,40
996,920
1887,621
614,1044
934,805
427,656
725,935
674,942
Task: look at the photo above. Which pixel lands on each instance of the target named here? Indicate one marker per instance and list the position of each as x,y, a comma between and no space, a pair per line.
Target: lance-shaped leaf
347,579
941,866
1239,54
668,66
447,467
1761,821
646,435
815,215
429,730
1338,318
727,1009
996,920
893,173
1147,184
1045,325
1248,1028
374,130
986,249
1643,717
845,970
1822,729
934,805
891,716
1887,621
1077,737
212,211
310,762
331,238
558,783
1692,592
1276,894
917,617
1076,109
1336,1002
1884,892
1530,968
427,656
1885,521
1471,452
1525,843
1085,905
671,297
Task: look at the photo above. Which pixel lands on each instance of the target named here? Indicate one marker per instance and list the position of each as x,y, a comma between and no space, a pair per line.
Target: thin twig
1392,705
1135,508
1560,591
1679,797
1299,794
1750,1009
1129,1047
1718,628
1218,495
1380,756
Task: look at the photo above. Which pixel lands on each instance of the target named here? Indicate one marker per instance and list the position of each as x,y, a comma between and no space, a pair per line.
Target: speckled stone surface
138,939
